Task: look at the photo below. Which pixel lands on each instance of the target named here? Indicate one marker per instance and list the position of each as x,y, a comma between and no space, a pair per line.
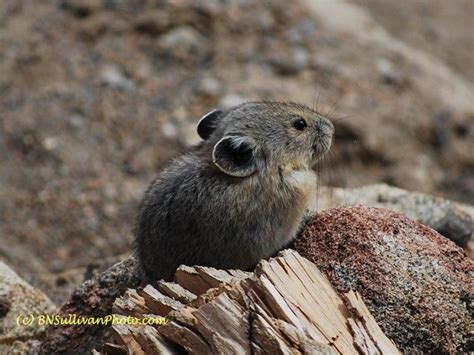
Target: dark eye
300,124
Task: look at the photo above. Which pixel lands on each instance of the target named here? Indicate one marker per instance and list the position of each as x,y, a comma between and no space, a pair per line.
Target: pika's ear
208,123
235,156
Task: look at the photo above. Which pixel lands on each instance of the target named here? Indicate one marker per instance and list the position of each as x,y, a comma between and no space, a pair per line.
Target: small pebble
75,120
386,69
169,130
50,143
183,42
209,86
114,78
231,100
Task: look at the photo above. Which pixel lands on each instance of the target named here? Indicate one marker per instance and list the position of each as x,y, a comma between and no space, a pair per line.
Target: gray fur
207,208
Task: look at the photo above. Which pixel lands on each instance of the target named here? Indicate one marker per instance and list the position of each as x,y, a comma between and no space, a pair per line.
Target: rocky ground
97,95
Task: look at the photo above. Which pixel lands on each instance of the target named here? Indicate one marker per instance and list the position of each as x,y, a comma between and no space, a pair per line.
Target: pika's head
257,136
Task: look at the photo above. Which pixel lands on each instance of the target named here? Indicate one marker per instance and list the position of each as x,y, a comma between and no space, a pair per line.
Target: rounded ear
208,123
235,156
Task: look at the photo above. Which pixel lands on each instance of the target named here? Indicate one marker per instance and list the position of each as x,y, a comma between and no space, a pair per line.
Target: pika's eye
300,124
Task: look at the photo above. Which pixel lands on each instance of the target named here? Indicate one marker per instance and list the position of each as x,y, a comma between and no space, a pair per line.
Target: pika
238,196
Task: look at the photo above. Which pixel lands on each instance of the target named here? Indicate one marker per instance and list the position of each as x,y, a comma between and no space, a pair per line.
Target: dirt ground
97,95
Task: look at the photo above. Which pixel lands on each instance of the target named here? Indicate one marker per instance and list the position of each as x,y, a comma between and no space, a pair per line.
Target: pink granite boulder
417,283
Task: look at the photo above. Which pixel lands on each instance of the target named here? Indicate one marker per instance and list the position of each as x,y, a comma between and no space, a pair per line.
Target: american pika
238,196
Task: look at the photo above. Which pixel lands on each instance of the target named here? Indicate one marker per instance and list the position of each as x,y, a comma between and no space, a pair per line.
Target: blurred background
96,96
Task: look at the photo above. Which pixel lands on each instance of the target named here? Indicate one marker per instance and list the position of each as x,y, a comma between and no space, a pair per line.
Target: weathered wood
267,337
190,279
286,306
131,303
225,323
176,291
159,303
123,336
199,279
358,308
239,274
113,349
192,341
151,342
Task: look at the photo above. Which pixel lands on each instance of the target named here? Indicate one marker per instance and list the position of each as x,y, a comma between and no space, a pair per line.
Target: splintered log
287,306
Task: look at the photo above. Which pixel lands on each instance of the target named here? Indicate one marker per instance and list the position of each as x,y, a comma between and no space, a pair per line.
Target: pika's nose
324,127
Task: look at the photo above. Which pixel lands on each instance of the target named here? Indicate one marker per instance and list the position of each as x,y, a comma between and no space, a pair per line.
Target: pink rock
417,283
